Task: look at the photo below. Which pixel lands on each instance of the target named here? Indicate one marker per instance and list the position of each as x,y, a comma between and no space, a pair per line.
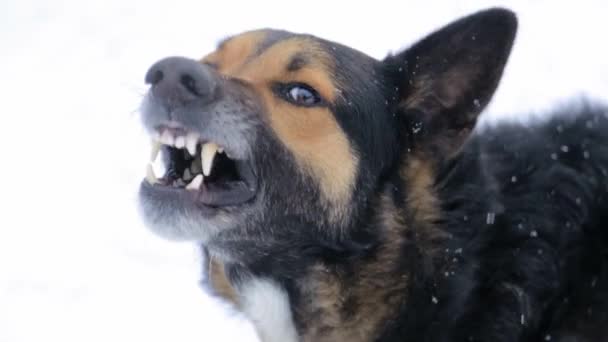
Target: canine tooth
191,140
196,183
150,176
207,155
187,175
180,142
167,139
220,150
155,150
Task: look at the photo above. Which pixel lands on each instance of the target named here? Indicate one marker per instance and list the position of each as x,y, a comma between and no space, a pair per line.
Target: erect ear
444,81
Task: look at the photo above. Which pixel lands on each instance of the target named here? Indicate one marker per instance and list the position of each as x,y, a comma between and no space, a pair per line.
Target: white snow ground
75,262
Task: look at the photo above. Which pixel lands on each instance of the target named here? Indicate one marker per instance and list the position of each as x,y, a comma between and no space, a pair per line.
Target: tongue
225,193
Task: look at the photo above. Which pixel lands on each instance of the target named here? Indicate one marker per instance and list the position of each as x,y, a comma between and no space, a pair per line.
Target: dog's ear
443,82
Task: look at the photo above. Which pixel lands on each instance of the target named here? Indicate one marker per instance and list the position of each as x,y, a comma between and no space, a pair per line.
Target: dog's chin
175,216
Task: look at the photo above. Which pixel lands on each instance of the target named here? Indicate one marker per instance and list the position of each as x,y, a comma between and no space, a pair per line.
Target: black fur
528,248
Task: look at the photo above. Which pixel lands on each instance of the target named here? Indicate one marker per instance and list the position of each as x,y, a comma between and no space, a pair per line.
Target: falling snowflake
490,218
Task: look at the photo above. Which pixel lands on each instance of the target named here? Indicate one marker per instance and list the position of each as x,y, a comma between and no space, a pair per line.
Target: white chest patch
266,304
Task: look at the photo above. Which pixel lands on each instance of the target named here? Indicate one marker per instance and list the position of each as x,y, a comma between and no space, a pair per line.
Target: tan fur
271,65
312,134
321,148
420,176
422,202
233,53
220,283
379,285
376,290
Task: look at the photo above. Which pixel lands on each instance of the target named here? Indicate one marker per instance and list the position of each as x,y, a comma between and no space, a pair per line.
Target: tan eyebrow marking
233,52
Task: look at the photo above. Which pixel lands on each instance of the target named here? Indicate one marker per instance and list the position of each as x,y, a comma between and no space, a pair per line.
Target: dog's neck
352,301
354,298
356,301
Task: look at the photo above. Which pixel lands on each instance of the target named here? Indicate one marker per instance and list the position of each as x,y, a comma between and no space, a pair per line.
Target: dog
342,198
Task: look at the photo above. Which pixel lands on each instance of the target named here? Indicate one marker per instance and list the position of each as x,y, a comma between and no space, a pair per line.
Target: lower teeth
196,183
179,183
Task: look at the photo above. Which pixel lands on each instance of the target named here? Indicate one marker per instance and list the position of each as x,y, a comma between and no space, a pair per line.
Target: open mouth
201,168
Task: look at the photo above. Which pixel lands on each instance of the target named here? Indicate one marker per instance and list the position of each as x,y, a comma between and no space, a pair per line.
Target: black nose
179,80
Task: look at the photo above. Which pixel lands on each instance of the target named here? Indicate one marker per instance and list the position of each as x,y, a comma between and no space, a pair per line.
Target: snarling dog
342,198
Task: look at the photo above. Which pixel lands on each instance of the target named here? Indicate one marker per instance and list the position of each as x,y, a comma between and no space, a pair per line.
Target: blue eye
302,95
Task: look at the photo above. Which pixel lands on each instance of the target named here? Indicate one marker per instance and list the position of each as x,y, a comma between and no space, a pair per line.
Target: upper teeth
189,142
180,142
155,150
166,138
208,152
150,176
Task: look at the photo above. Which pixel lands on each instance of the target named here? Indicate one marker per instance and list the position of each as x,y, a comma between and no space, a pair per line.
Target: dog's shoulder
530,178
518,202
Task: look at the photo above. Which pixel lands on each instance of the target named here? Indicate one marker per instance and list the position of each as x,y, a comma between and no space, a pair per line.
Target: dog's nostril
154,76
190,84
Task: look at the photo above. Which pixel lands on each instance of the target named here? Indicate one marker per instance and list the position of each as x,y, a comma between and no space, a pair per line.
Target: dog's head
278,136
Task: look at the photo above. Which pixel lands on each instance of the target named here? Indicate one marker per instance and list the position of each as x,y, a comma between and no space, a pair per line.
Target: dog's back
536,197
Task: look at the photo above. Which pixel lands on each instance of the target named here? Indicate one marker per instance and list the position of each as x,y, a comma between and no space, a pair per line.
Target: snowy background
76,264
